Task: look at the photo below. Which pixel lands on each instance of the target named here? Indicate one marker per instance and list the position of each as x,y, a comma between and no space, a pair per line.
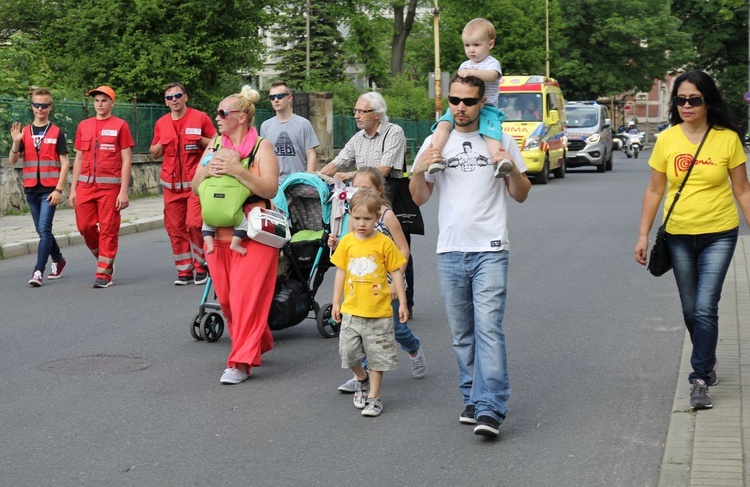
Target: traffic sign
628,108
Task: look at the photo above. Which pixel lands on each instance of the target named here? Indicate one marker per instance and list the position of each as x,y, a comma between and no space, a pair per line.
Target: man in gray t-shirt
292,136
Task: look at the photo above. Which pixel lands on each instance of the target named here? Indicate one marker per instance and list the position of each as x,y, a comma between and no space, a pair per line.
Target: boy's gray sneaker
436,167
373,407
503,168
418,364
349,386
699,397
360,394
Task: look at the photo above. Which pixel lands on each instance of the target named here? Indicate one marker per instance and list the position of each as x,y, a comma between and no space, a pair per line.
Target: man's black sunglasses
469,102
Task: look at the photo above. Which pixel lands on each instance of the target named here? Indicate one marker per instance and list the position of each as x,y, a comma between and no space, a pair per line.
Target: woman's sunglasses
175,96
694,101
224,113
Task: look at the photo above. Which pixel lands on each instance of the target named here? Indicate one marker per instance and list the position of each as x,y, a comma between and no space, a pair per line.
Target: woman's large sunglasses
694,101
224,113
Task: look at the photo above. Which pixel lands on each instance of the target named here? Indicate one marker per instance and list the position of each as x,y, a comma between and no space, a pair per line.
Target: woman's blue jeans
43,213
700,264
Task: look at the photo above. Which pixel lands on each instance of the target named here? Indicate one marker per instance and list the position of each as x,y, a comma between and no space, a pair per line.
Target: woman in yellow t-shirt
702,230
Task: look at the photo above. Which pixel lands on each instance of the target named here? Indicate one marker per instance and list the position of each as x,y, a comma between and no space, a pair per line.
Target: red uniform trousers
244,286
182,221
99,222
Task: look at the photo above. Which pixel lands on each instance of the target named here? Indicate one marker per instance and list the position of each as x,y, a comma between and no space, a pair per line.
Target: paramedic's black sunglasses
224,113
694,101
469,102
43,106
176,96
278,96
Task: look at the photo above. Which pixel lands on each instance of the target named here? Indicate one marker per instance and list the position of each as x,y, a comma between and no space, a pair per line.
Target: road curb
26,247
678,447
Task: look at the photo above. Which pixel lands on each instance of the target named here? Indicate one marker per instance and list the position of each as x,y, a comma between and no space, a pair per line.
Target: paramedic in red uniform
244,283
101,176
180,137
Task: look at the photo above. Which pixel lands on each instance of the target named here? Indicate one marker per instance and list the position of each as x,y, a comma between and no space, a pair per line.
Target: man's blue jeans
474,289
43,213
700,264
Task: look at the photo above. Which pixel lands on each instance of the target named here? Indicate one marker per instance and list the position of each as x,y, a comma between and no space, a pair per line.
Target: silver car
589,135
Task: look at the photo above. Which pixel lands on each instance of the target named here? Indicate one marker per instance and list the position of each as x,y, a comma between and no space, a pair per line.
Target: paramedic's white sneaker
436,167
349,386
418,364
234,375
503,168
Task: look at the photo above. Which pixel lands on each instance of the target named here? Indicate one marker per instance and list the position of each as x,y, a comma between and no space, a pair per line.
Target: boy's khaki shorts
370,337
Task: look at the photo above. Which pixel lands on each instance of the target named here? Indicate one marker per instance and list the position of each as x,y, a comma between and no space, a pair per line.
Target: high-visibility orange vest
41,166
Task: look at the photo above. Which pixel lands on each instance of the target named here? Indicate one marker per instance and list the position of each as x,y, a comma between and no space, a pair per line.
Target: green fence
142,117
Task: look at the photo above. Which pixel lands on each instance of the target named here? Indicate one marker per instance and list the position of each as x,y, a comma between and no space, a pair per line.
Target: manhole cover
96,365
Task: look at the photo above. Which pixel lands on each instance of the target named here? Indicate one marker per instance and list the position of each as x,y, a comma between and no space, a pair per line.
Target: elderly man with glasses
378,144
292,136
180,137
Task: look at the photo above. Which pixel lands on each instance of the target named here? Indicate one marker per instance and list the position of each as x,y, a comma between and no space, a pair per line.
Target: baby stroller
303,261
304,197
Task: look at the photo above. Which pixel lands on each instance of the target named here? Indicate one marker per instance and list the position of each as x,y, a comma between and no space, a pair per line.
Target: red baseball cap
104,90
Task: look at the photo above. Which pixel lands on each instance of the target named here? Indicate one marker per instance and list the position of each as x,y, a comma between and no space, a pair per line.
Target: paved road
592,363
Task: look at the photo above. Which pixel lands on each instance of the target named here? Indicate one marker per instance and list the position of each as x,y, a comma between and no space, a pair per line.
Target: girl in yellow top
702,230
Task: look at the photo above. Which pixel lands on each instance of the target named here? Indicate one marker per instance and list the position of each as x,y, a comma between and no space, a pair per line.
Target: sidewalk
709,447
704,448
18,237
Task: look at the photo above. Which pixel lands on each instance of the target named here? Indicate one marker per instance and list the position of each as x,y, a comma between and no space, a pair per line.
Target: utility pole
546,13
438,75
307,53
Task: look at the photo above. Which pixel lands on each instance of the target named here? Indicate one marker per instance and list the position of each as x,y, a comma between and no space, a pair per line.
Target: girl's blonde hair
245,101
369,199
376,179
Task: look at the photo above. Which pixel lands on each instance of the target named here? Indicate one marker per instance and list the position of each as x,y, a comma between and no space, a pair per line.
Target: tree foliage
615,46
138,46
22,64
326,62
718,30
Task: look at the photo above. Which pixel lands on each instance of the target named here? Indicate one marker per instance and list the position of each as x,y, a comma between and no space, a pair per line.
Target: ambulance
534,110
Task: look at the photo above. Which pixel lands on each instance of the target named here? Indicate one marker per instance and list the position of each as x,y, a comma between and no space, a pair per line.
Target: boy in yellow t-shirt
364,258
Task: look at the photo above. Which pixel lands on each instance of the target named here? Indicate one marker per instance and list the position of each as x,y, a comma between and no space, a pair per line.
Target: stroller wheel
212,327
195,327
326,326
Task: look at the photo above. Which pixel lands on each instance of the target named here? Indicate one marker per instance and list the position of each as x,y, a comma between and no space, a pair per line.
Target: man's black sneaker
699,397
201,278
467,417
183,280
487,426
